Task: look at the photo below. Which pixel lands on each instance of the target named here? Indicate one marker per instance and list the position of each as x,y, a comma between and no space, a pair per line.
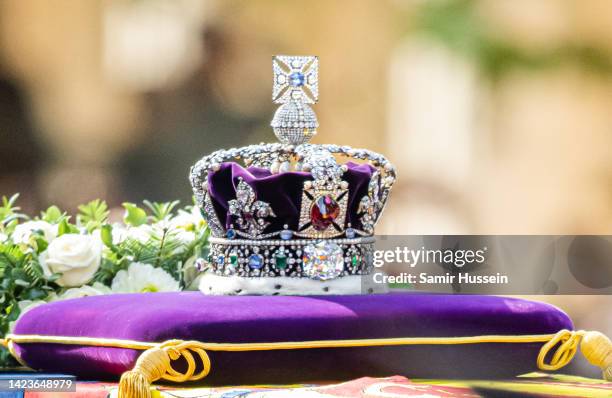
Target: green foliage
106,234
9,213
145,238
8,207
164,249
93,214
64,227
34,271
161,211
134,215
52,215
21,279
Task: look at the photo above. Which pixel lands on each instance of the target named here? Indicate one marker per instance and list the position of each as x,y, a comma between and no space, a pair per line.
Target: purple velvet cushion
155,317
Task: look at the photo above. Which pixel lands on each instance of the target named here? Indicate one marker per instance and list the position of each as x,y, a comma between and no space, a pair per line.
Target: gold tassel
155,363
597,349
150,366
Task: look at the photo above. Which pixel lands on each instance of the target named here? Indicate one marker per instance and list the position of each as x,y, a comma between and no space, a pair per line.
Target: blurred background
497,114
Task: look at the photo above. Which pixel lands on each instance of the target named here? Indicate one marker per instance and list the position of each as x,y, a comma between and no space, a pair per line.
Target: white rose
23,232
143,278
76,257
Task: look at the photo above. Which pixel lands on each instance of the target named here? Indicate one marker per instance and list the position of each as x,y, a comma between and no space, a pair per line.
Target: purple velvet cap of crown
282,191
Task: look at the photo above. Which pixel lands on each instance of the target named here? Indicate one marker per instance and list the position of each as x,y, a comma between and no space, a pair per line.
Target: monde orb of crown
294,123
296,84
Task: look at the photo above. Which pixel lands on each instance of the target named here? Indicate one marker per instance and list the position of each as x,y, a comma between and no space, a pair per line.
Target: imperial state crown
291,217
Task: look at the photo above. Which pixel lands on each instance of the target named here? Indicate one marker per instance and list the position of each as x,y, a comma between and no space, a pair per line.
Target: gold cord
156,361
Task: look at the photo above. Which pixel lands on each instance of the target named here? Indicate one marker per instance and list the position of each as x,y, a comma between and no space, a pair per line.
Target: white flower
3,237
96,289
141,278
23,232
188,221
186,237
120,233
76,257
141,233
185,224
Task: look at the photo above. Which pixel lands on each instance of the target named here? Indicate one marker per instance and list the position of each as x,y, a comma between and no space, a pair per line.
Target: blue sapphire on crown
296,79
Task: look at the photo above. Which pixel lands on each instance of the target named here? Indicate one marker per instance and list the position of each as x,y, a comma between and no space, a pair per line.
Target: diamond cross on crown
296,78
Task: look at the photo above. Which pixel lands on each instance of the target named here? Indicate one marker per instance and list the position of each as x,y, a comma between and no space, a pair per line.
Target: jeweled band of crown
339,203
323,260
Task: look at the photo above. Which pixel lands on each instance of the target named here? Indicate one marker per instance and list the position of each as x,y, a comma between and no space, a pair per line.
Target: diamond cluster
250,214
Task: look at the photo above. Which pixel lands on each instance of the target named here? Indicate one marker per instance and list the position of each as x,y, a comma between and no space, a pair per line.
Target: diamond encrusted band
321,260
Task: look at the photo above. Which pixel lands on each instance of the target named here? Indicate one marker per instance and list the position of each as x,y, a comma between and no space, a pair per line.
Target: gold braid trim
156,361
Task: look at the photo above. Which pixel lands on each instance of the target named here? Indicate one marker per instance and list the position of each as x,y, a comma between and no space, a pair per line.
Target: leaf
11,256
106,234
52,215
39,239
19,273
5,283
8,210
13,312
108,269
34,270
161,210
64,227
10,202
21,282
35,294
134,215
92,214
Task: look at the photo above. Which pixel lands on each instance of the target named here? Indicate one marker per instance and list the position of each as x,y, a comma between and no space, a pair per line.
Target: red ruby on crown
323,212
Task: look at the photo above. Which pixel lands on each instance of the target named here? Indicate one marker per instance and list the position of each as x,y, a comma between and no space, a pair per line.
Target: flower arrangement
55,257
